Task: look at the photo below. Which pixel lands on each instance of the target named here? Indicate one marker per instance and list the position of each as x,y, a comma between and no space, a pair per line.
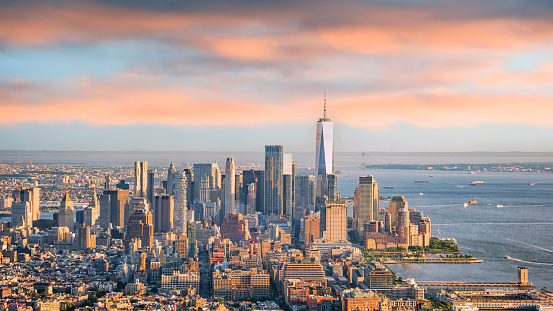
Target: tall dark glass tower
273,180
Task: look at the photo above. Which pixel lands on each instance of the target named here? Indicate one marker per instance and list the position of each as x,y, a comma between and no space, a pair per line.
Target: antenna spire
324,115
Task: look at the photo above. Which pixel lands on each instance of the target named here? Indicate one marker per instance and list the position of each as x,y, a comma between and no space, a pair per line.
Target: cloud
431,64
256,32
136,101
542,77
442,110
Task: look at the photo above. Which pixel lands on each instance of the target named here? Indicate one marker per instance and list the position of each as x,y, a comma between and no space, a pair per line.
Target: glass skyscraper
324,158
273,180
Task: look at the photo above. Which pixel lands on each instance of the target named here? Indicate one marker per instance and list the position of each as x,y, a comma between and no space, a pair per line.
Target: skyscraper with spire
171,178
229,187
66,213
324,158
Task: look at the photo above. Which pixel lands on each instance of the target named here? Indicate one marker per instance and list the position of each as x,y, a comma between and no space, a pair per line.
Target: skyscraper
189,173
140,179
192,244
288,185
258,179
230,187
170,178
114,208
324,158
181,192
84,240
273,180
151,186
164,207
140,227
210,173
22,214
366,209
66,214
31,195
334,225
397,203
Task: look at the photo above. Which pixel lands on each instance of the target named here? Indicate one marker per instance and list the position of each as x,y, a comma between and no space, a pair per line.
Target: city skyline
420,76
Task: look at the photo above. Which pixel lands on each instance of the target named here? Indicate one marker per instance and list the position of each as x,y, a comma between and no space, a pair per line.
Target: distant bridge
470,285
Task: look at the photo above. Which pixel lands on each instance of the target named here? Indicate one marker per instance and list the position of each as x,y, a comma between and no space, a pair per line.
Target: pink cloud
119,103
541,77
373,29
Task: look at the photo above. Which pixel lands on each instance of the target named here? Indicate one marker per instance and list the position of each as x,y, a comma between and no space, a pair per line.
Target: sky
417,75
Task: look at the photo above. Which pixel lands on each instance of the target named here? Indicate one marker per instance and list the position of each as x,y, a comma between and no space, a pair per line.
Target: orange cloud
541,77
380,29
445,110
117,103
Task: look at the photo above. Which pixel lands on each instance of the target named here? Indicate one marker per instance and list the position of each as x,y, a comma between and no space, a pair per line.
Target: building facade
273,180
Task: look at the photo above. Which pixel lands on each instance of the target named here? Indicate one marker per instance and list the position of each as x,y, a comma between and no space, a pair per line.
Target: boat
507,256
473,173
465,205
499,205
421,181
388,187
530,184
473,183
473,202
431,176
421,193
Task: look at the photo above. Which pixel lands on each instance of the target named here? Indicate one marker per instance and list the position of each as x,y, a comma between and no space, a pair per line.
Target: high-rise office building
31,195
258,179
238,185
22,214
235,228
312,227
164,207
230,187
324,158
397,203
171,178
84,240
302,191
288,185
207,179
140,179
107,183
140,227
273,180
151,186
334,225
192,241
367,202
250,207
66,214
92,211
189,173
114,208
180,191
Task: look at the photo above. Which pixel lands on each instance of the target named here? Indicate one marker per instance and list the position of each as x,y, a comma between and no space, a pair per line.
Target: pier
432,260
469,285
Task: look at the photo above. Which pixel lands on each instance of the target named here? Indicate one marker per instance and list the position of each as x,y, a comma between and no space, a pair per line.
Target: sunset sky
236,75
